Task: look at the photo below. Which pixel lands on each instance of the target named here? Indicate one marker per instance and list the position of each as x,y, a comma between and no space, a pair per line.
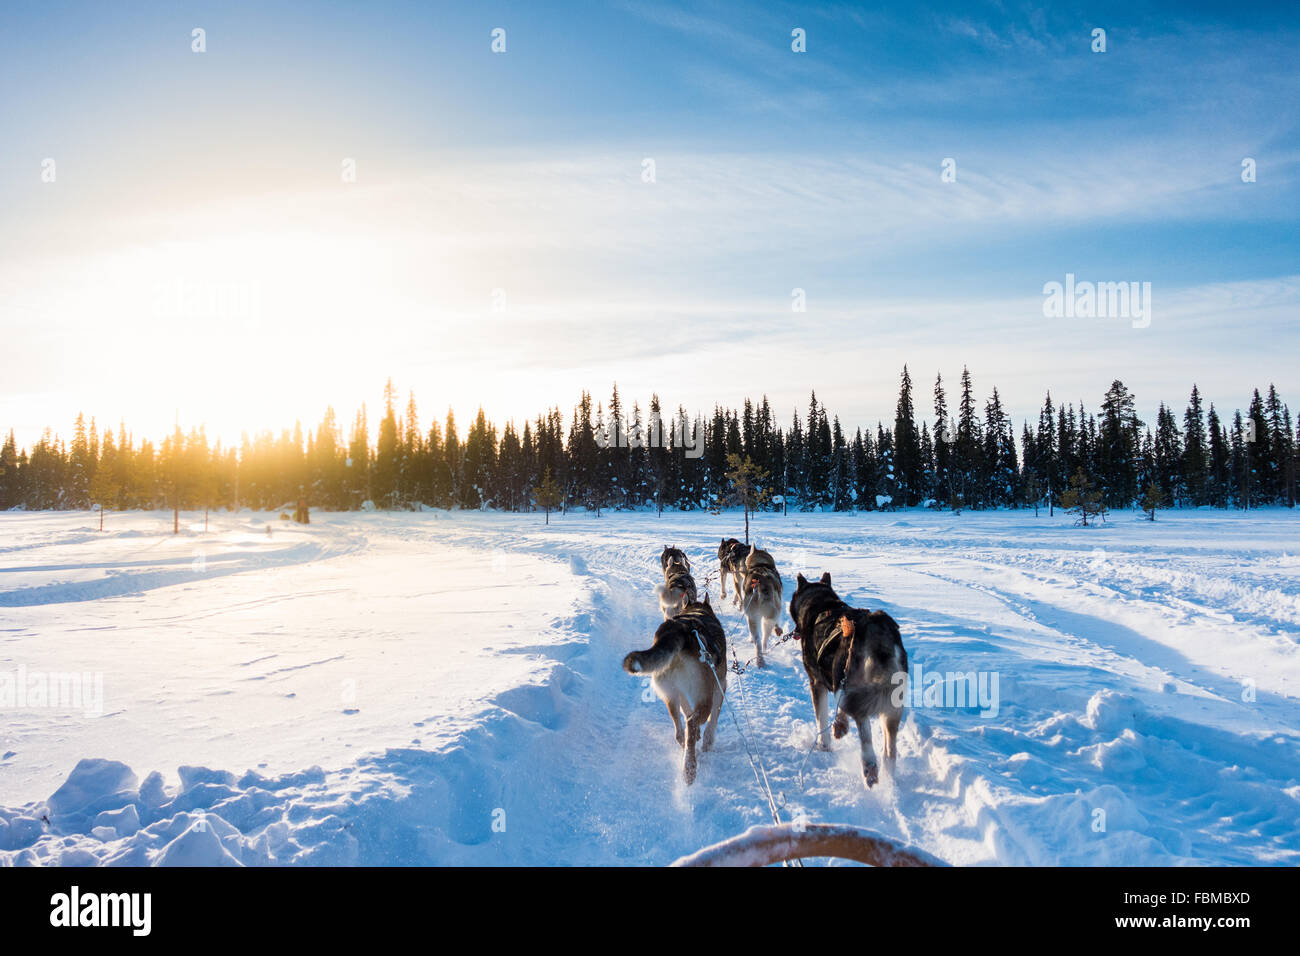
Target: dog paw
759,662
871,773
840,727
823,746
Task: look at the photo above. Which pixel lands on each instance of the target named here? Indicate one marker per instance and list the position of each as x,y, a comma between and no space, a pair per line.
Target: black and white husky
857,654
688,670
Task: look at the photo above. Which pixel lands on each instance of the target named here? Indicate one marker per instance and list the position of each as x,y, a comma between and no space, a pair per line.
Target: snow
445,688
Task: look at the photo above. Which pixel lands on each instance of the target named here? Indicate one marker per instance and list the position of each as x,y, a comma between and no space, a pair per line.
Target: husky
673,557
688,670
755,558
762,603
677,591
857,654
731,558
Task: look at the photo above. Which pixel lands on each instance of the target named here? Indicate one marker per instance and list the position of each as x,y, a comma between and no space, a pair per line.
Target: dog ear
846,627
826,577
706,599
800,580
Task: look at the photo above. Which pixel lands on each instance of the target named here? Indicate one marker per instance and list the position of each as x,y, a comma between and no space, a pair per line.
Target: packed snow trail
1147,680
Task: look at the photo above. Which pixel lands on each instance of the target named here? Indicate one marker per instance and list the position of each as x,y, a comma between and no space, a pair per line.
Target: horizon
922,397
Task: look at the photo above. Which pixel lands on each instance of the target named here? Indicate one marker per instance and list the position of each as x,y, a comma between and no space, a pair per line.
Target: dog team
854,653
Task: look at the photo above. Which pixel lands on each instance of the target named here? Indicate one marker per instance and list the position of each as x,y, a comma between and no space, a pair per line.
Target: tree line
606,456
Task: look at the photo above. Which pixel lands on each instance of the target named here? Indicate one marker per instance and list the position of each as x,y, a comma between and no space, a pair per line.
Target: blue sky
521,174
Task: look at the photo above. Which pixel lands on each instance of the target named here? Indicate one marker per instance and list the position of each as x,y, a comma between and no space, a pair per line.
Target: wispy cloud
522,175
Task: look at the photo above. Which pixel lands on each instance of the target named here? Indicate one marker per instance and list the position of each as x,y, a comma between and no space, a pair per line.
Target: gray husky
731,564
762,600
673,557
678,589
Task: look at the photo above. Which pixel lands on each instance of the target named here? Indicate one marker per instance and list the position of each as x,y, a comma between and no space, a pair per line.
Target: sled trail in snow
458,678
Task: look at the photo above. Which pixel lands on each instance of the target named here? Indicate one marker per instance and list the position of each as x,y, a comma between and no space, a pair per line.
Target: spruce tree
387,463
656,453
796,457
1116,447
1153,499
77,492
1048,455
1259,442
907,446
1082,498
1218,484
968,453
452,454
748,485
1169,462
943,440
548,494
1279,447
841,480
10,493
1243,470
1196,461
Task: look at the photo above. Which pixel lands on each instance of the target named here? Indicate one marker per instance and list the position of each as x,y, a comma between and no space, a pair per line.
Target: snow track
1146,713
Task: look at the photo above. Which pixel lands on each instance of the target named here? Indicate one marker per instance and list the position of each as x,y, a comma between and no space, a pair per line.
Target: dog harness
838,674
706,652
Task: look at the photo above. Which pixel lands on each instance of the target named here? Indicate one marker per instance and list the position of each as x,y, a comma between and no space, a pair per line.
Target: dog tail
650,662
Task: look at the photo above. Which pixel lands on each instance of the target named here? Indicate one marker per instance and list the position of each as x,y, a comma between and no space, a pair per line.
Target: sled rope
755,760
751,751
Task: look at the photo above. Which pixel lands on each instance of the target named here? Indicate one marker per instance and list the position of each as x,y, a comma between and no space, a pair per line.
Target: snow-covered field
445,689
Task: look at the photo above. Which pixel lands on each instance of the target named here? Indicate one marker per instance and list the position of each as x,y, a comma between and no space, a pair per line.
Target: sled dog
754,557
855,653
688,670
673,557
731,559
677,591
762,600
